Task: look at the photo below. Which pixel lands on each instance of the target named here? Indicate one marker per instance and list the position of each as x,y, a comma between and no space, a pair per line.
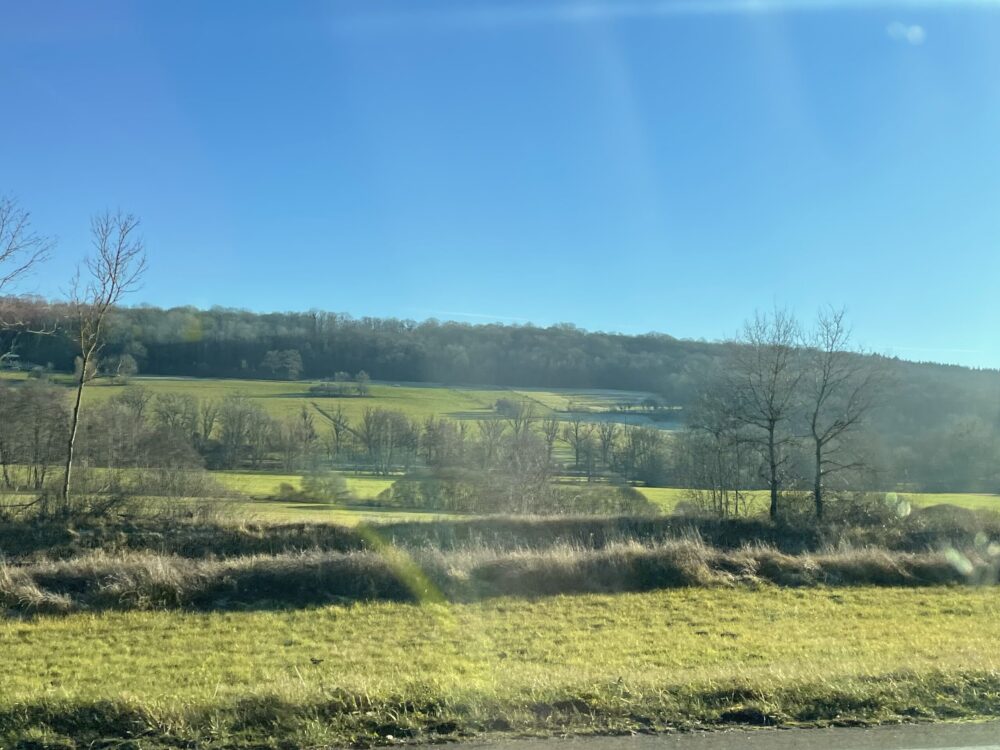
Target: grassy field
716,644
356,674
667,498
259,486
262,485
970,500
287,512
418,401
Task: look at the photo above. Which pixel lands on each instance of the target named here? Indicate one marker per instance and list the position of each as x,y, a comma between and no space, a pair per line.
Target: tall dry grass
146,580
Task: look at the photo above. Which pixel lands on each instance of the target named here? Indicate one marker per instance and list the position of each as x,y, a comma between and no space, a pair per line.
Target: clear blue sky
624,165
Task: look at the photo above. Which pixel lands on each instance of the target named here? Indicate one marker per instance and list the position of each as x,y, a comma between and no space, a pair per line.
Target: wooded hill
937,425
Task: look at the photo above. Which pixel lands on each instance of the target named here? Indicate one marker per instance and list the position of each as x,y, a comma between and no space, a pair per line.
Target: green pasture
277,511
341,675
667,498
417,401
257,484
970,500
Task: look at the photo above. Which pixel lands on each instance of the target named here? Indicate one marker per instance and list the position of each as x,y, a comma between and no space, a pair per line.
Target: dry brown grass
145,580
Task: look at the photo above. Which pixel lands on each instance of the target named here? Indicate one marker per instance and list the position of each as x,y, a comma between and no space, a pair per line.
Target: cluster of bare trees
501,465
784,411
604,448
34,421
113,268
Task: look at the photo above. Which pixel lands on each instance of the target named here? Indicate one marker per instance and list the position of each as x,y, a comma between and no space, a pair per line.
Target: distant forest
235,343
938,425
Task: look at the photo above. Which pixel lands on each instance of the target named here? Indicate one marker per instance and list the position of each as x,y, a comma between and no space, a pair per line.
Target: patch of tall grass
144,580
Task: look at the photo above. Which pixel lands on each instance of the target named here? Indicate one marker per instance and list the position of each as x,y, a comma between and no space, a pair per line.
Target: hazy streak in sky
539,13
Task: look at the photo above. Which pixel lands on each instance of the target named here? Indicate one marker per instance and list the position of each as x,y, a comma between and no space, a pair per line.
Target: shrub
496,492
326,486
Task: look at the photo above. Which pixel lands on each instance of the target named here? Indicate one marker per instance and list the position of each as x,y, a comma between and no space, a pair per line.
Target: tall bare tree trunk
74,426
841,389
818,481
772,479
114,269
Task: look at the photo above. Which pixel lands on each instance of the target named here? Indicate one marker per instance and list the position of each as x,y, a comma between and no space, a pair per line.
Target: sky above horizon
632,166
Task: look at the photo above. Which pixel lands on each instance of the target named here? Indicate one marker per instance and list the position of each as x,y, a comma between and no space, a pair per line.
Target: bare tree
491,433
519,416
388,438
235,413
177,413
208,413
21,248
137,398
550,431
260,429
114,268
764,379
841,387
341,432
607,433
712,454
577,433
33,419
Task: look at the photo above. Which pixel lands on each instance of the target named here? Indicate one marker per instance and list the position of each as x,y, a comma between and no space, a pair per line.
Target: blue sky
631,166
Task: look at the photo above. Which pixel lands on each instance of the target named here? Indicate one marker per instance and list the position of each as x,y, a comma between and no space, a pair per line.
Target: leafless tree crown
114,269
21,248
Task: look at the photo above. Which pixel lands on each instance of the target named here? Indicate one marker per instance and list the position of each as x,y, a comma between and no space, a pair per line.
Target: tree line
504,463
936,431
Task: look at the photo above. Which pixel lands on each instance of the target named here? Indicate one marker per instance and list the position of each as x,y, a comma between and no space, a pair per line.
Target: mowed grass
341,675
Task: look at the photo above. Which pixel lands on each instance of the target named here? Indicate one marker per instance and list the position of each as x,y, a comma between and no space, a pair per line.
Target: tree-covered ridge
222,342
936,426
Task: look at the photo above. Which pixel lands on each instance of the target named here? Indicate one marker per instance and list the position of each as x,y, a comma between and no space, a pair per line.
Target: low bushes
178,536
467,491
